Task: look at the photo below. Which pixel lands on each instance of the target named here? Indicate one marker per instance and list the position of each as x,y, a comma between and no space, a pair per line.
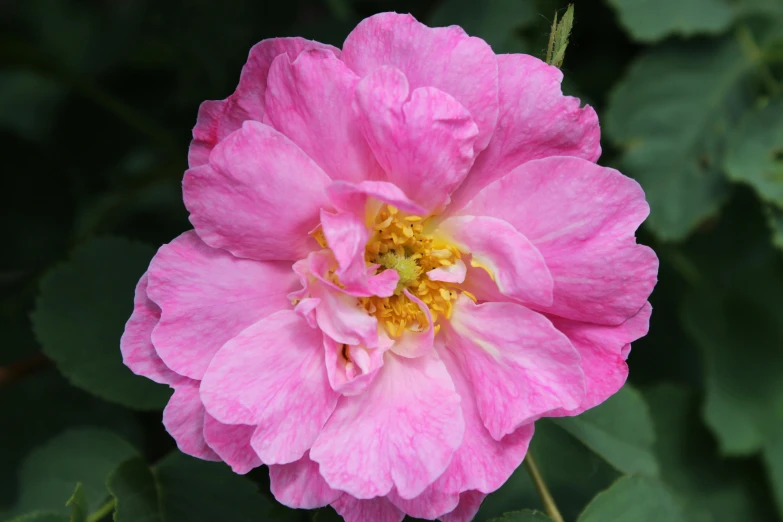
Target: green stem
543,490
102,511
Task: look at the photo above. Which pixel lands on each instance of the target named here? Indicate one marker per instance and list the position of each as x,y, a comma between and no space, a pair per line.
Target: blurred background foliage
97,99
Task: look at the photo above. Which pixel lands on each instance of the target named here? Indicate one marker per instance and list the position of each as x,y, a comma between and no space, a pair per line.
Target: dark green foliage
97,100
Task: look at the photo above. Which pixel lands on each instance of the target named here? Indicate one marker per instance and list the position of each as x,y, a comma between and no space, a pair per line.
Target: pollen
402,243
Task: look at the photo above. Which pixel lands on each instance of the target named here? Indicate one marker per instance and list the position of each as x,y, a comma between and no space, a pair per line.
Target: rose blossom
403,255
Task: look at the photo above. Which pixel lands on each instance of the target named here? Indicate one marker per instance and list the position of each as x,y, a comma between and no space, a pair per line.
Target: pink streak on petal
138,353
258,197
376,510
582,218
309,100
442,57
449,274
535,121
298,485
183,418
218,119
402,432
207,296
423,139
232,444
518,267
411,343
272,375
521,367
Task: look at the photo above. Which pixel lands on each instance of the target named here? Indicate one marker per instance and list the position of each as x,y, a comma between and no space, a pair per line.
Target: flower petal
582,218
535,121
520,366
232,444
207,296
138,353
508,256
377,509
258,197
309,100
365,198
183,418
299,485
217,119
413,343
454,273
351,369
603,350
402,432
442,57
423,139
469,504
272,375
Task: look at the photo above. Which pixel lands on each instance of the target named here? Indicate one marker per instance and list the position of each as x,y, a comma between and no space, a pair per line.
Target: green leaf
773,460
136,492
755,154
672,114
523,516
495,21
727,490
85,456
41,516
27,102
650,21
78,504
558,38
573,473
81,314
620,430
775,220
635,499
193,490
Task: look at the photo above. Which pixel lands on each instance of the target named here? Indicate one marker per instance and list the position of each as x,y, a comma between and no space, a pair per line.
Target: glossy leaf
635,499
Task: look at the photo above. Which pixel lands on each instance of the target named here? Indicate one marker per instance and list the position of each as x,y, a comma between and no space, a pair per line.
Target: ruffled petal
219,118
183,418
309,100
603,349
299,485
469,504
352,368
272,375
442,57
258,197
535,121
365,198
454,273
423,139
519,365
377,510
582,218
418,341
138,353
402,432
232,444
207,296
510,259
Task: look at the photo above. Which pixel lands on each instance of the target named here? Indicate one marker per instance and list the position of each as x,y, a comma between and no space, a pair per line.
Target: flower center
399,242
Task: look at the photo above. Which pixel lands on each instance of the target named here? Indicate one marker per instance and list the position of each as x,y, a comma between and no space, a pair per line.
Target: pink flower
403,255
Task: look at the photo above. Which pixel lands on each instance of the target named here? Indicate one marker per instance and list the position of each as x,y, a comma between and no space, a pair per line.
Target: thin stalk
543,490
102,511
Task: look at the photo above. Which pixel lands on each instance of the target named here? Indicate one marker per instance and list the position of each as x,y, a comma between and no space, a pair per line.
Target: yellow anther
412,218
445,262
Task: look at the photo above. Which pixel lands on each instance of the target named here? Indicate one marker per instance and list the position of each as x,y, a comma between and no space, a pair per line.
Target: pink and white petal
258,197
603,349
232,444
479,283
309,100
138,353
298,485
535,121
401,433
454,273
366,198
469,504
512,261
219,118
351,369
422,139
347,235
377,509
442,57
415,343
272,375
582,218
519,365
206,297
481,462
183,418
